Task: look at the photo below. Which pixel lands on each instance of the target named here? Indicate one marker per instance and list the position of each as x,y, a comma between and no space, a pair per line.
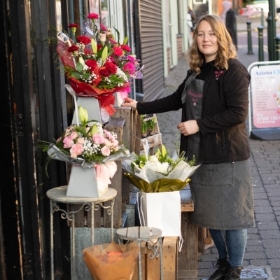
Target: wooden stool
144,234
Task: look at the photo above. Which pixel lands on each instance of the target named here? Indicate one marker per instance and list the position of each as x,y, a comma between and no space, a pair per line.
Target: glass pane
94,6
58,15
105,19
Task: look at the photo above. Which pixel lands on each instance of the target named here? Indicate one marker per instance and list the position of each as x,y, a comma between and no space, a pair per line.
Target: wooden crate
151,267
154,139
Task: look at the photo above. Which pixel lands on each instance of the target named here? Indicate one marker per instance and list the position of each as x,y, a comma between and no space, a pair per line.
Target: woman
214,102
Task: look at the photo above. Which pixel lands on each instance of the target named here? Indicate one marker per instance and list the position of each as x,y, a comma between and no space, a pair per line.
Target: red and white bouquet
96,63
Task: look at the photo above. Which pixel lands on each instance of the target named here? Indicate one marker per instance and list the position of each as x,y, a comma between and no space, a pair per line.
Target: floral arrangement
86,144
148,124
159,172
96,63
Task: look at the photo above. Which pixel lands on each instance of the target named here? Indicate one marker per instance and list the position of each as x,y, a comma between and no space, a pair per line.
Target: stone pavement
262,257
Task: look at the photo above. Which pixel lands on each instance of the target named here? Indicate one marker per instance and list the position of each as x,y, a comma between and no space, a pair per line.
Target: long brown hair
226,48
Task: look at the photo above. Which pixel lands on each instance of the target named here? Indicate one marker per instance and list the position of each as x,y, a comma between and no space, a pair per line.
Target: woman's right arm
171,102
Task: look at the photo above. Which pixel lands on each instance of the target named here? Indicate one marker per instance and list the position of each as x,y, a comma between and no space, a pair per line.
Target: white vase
83,183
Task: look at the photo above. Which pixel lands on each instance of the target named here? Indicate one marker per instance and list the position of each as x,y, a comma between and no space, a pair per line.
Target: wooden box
153,136
151,267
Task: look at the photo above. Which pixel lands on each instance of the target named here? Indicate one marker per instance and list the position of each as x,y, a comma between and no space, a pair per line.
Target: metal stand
144,234
58,195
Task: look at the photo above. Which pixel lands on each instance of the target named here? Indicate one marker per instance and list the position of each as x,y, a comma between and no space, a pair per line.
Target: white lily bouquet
159,172
159,178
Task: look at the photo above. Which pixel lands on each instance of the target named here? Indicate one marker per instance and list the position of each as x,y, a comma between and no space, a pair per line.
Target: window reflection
105,13
94,6
58,16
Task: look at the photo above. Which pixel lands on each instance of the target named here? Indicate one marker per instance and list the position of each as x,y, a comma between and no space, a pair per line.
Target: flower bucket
83,183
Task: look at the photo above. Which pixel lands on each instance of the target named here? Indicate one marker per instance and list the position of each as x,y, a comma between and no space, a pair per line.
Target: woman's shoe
223,269
234,273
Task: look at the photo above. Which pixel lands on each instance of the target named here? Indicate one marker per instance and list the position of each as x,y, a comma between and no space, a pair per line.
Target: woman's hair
226,48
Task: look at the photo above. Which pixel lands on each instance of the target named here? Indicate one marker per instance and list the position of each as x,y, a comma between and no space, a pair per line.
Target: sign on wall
266,96
265,99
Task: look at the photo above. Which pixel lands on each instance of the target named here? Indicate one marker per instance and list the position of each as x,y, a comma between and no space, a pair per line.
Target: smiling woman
214,110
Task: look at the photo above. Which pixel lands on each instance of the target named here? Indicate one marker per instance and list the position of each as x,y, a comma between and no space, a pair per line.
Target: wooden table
188,256
144,234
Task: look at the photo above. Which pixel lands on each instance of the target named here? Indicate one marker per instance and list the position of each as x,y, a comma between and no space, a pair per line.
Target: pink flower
68,142
126,48
74,135
129,67
112,41
76,150
105,151
115,142
81,140
118,51
98,138
93,16
107,143
103,28
131,58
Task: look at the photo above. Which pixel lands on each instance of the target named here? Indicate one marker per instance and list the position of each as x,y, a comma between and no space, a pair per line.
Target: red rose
87,51
73,48
104,71
118,51
111,67
71,25
91,64
126,48
93,16
84,40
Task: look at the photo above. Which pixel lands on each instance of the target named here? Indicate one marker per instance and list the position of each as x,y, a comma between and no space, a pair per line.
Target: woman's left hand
188,127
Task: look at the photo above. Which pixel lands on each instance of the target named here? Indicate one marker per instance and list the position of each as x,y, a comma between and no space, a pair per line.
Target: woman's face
207,41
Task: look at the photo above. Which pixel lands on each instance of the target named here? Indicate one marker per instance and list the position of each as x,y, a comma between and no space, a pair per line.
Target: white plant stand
57,196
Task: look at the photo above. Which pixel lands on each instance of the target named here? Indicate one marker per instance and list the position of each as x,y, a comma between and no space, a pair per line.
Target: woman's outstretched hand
129,102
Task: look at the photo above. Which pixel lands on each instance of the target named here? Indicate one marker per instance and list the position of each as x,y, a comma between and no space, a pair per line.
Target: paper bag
111,261
161,210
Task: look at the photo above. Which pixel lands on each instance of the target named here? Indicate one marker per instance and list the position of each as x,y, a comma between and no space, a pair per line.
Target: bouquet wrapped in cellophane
96,63
111,261
88,145
159,172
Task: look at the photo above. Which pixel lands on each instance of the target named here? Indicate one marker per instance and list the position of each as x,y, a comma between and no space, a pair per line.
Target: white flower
153,158
158,167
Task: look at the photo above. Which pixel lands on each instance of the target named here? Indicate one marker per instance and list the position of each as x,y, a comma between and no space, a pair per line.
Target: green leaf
76,75
118,35
79,67
86,76
125,40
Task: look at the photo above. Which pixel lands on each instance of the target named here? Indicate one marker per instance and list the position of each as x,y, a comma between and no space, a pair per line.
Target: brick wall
180,46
